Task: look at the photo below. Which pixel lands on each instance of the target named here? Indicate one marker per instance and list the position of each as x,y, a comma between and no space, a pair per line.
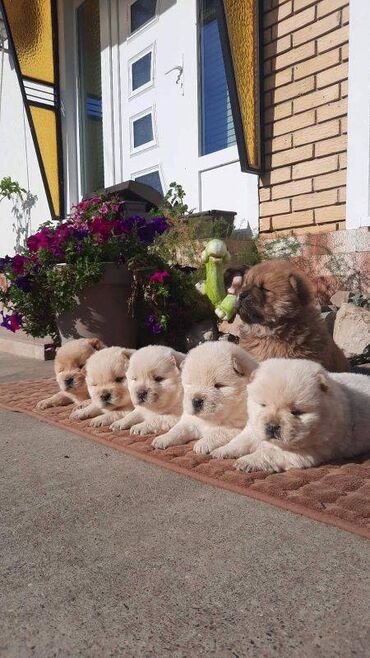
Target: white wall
17,155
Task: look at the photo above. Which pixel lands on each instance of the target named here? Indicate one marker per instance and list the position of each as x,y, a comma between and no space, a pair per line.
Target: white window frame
358,148
144,27
151,170
153,142
135,92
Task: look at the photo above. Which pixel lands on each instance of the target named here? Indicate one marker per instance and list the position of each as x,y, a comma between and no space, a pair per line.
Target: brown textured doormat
336,494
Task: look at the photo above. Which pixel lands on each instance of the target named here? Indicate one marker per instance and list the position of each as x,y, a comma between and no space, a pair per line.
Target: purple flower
160,225
80,233
159,277
4,262
18,263
153,324
12,321
24,283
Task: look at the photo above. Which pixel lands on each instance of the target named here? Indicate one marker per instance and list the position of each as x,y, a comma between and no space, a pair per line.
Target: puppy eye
262,404
119,379
296,412
81,366
158,379
219,385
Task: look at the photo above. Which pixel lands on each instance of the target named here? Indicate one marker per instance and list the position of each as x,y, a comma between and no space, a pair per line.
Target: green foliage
9,188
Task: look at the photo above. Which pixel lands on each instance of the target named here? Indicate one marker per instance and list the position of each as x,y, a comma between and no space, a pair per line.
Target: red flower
18,264
159,277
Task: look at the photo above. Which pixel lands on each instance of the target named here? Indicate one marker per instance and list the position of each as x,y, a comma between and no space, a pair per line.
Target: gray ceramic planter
102,311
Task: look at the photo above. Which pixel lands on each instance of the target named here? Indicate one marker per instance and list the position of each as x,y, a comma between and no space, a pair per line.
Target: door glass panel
153,179
142,11
217,125
143,130
90,96
141,71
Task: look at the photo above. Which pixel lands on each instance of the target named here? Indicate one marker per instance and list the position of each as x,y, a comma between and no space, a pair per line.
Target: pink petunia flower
159,277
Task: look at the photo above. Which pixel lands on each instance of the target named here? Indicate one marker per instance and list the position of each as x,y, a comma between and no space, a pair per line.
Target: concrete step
20,344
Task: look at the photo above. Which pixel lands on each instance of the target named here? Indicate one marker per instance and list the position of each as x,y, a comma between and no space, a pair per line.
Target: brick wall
305,99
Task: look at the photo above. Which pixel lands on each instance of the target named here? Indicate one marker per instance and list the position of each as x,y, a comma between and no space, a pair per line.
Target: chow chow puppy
154,384
70,370
299,416
281,320
107,385
214,378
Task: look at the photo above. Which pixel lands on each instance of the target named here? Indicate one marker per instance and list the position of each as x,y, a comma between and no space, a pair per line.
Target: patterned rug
336,494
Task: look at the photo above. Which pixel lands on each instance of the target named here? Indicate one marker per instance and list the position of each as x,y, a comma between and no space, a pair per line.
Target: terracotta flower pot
102,311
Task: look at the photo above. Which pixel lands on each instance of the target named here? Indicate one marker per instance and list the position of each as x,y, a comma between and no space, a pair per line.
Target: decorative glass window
217,125
142,131
141,12
151,178
141,71
90,97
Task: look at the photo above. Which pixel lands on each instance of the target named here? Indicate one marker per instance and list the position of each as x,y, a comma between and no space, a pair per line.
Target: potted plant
99,273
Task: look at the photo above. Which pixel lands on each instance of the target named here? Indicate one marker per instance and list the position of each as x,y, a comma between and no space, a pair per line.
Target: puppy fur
299,416
280,319
70,371
154,383
107,385
214,378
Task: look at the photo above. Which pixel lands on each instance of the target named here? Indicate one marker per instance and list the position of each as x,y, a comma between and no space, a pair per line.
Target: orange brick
314,200
278,79
329,146
344,52
293,219
265,224
333,39
279,46
265,194
345,15
294,123
318,63
326,228
316,29
336,179
328,6
279,144
292,189
343,125
302,4
343,160
277,112
294,55
274,207
342,194
332,110
330,214
316,133
277,176
344,88
292,155
293,23
267,35
334,74
316,99
278,14
293,90
315,167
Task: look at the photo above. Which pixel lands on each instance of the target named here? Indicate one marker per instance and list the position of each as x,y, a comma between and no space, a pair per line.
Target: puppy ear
96,343
127,352
301,287
323,381
252,375
243,364
178,358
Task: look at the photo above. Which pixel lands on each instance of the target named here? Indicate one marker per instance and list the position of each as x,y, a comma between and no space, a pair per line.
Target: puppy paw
100,421
80,413
251,463
162,442
44,404
203,446
142,429
120,425
221,453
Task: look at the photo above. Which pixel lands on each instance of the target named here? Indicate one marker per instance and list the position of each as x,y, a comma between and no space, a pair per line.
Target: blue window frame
217,124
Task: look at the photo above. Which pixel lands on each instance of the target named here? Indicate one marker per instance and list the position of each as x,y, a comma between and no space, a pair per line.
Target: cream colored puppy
70,371
301,416
107,385
154,383
214,378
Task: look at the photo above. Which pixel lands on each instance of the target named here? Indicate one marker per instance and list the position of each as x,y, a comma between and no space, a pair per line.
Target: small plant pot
102,310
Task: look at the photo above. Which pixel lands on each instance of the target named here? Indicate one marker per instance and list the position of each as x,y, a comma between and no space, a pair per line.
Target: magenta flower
18,264
12,321
159,277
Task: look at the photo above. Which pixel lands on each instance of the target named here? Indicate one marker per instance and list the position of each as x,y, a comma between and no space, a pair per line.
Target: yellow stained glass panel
46,132
32,30
242,26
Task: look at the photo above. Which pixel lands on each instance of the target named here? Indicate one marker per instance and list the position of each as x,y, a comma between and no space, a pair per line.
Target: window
217,125
141,72
151,178
141,12
90,96
142,131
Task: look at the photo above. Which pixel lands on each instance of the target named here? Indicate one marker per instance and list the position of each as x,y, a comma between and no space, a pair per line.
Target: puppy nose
272,431
142,396
198,404
105,396
69,382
